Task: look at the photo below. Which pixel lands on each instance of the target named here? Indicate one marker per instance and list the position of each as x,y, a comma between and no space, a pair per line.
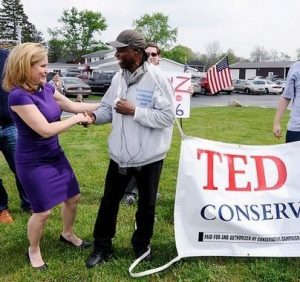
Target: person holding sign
140,105
154,54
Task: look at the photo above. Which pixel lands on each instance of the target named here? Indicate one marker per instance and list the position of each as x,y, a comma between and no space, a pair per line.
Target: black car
100,82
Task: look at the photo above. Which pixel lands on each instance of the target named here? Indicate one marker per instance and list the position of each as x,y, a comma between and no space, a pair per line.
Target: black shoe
140,251
83,245
39,268
98,257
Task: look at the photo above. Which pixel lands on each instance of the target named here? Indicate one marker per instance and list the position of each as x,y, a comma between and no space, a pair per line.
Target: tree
213,53
55,50
56,45
12,17
31,34
180,54
284,57
259,54
78,31
232,58
273,55
156,29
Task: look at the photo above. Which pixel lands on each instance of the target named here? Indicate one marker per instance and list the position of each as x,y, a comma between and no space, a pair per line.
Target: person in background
56,82
41,164
154,57
140,105
8,139
79,98
291,94
154,53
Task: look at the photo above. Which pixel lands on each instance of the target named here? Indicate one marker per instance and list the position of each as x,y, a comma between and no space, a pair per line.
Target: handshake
86,118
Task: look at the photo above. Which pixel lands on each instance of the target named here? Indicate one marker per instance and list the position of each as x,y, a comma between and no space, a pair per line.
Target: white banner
237,200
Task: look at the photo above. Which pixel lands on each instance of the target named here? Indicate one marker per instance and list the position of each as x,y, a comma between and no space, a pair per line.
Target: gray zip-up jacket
145,137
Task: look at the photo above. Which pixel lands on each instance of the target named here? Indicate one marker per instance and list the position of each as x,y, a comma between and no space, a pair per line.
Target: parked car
273,77
83,77
247,86
100,82
206,90
255,77
72,86
270,86
50,75
281,83
195,81
71,74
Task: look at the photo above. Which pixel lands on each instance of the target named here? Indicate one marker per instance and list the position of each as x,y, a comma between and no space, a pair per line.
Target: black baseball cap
129,37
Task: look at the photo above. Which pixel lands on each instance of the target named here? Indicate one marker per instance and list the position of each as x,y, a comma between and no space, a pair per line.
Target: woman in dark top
41,164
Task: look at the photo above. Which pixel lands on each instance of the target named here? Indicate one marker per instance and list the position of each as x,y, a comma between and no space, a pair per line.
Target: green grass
92,96
95,96
87,152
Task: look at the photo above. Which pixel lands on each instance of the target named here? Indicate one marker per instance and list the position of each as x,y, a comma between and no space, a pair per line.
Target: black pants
117,179
8,140
292,136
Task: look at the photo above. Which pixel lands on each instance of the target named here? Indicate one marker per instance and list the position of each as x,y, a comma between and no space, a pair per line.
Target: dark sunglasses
152,54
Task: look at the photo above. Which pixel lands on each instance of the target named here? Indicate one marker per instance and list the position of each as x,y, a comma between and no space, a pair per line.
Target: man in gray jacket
139,103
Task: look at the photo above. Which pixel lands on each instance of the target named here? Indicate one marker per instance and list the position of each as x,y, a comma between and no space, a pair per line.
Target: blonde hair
17,69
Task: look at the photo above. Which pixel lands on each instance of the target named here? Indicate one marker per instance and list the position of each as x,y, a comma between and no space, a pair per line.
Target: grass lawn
87,151
92,96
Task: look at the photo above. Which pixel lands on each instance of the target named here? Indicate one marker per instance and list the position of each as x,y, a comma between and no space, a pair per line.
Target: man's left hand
124,107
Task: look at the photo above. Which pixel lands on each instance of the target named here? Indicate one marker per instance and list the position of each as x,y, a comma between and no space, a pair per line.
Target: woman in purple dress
41,164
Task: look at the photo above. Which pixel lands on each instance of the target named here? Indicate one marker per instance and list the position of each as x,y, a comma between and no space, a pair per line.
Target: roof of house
97,64
98,54
59,65
111,64
196,63
255,65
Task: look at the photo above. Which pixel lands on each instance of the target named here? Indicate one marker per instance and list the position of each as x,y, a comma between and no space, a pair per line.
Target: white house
105,61
62,67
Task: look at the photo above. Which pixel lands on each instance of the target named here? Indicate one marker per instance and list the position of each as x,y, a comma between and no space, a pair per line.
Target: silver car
247,86
282,83
195,81
270,86
72,86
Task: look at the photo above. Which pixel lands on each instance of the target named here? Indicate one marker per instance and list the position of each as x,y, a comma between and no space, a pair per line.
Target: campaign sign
237,200
181,83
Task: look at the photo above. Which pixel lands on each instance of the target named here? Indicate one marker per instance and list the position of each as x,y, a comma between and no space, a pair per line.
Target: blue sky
237,24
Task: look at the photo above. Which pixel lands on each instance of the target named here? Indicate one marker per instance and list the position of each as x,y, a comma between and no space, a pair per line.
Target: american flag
219,76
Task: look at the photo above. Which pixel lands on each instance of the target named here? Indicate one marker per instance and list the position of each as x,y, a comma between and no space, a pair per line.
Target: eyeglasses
152,54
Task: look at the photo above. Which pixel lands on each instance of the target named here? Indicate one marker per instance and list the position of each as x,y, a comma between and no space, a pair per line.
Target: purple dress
41,164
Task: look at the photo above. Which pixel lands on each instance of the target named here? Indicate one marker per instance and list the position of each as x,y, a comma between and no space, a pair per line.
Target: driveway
266,101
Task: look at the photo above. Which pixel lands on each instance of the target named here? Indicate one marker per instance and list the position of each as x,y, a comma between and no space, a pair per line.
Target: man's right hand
277,131
92,117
